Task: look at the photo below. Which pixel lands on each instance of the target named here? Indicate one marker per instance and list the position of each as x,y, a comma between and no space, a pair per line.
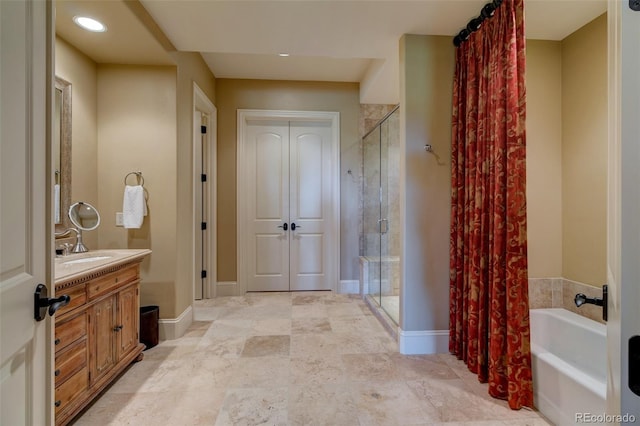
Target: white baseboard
174,328
226,288
423,342
349,287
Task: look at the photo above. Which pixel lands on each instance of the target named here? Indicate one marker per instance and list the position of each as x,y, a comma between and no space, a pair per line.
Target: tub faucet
581,299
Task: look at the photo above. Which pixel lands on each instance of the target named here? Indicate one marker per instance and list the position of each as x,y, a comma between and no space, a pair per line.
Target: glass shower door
371,213
381,214
390,216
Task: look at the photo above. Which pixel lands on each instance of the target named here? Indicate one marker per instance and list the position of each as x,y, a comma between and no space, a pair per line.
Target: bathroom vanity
97,333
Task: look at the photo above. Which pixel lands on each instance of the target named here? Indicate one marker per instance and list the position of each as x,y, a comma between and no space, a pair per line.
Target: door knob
42,303
294,226
285,226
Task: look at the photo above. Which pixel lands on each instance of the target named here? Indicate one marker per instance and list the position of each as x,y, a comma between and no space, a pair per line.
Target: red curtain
489,305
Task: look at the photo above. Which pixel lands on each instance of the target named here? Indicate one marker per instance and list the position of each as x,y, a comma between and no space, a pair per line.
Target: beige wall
129,118
426,75
232,95
567,155
137,132
544,158
75,67
584,153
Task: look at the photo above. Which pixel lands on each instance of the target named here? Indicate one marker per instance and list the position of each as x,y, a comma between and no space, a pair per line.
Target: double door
289,220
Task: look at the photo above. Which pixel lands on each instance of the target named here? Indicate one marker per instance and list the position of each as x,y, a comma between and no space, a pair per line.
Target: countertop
74,266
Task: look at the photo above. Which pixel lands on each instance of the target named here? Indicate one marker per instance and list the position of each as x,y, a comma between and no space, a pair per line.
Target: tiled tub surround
296,359
560,293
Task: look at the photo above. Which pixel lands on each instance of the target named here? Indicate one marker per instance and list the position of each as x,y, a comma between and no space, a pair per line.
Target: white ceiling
333,40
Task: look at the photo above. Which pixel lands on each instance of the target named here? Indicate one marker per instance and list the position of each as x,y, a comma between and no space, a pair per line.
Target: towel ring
138,176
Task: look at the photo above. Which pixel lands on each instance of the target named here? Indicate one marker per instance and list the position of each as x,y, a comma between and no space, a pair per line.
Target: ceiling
328,40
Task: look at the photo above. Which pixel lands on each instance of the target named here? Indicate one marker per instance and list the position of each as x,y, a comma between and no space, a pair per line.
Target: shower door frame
383,212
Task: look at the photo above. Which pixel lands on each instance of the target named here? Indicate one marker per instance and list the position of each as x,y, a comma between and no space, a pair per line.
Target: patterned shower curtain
489,306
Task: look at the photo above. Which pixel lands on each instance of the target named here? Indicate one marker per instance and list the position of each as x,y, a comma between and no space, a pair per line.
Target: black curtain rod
487,11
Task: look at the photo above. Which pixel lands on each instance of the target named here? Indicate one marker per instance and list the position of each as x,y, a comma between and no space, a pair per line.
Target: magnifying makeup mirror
85,217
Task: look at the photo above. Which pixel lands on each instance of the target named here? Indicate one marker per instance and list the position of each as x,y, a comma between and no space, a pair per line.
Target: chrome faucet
64,249
581,299
79,247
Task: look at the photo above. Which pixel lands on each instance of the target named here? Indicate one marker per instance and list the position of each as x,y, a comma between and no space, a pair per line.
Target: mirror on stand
84,217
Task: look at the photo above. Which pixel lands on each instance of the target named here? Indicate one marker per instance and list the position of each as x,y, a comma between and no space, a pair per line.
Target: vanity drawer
70,330
70,361
69,390
78,294
110,281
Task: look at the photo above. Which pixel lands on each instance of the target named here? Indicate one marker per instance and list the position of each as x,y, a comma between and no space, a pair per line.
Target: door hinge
203,177
203,274
203,129
203,226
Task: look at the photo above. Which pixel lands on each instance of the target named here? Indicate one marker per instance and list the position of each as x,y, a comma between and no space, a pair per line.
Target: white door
290,215
204,194
25,89
268,229
624,210
310,210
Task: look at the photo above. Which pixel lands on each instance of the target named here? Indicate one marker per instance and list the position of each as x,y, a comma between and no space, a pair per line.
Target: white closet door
267,156
289,205
310,210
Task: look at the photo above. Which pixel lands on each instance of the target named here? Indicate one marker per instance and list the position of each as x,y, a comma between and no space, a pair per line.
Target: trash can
149,325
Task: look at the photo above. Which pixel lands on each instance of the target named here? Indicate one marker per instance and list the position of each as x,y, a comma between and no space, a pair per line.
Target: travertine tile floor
295,359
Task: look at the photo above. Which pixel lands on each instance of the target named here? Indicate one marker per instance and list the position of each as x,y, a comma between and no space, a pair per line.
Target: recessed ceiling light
284,55
90,24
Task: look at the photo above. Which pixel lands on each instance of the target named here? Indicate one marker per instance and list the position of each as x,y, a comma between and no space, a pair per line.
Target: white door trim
245,115
623,243
614,367
202,104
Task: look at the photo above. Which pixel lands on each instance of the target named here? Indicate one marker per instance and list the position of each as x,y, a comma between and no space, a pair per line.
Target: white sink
85,260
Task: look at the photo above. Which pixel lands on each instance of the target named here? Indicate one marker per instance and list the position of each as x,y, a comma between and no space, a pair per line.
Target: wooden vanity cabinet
96,335
113,330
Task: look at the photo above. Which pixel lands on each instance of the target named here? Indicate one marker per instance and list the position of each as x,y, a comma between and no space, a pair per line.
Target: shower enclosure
380,248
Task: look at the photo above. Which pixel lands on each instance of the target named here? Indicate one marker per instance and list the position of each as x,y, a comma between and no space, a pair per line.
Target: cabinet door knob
58,403
57,341
117,328
56,373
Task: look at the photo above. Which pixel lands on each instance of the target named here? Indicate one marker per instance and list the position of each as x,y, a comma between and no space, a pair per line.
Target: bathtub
569,360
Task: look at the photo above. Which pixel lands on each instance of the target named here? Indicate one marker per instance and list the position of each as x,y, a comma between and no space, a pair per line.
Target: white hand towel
134,206
56,202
